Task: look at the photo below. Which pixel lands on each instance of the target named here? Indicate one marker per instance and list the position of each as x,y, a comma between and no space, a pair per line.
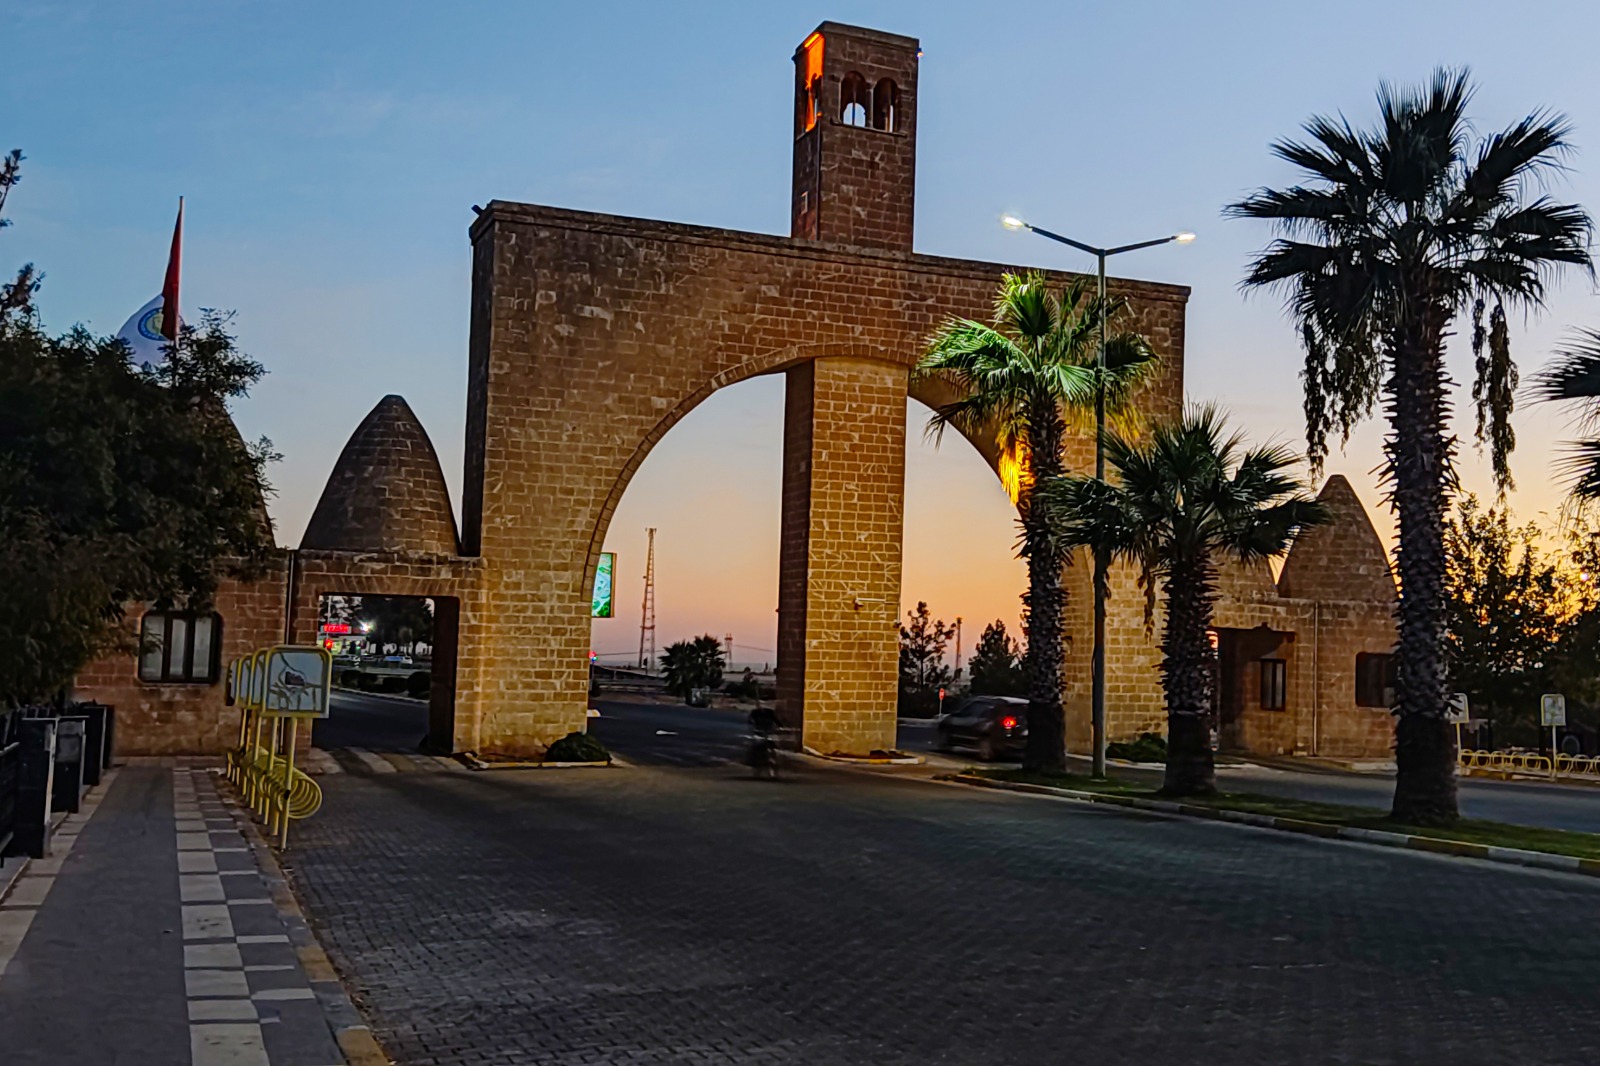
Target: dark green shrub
1146,747
577,747
419,683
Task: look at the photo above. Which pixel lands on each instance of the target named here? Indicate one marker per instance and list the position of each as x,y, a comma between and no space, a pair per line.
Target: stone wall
846,442
171,719
598,333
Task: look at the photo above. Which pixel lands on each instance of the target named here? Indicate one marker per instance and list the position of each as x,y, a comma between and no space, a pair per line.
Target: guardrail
276,687
1529,763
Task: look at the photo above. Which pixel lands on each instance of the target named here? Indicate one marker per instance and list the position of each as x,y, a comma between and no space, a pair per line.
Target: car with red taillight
995,727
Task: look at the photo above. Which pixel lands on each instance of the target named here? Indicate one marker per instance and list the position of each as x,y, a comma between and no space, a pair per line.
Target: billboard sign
604,586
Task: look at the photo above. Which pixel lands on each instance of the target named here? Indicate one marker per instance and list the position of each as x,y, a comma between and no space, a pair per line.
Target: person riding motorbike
763,755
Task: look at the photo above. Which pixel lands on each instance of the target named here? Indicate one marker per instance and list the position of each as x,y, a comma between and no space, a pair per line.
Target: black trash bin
37,773
70,750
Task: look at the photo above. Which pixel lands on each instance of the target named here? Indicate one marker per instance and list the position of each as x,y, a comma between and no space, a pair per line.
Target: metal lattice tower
647,618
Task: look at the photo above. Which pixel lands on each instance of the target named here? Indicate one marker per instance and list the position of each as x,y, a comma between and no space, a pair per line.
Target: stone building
592,335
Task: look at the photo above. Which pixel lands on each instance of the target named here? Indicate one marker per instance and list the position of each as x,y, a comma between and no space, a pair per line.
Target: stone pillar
839,562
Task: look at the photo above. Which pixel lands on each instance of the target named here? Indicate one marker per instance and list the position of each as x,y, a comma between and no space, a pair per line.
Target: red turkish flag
169,287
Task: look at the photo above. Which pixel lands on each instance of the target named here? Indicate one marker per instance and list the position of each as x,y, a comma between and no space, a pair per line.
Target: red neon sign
336,627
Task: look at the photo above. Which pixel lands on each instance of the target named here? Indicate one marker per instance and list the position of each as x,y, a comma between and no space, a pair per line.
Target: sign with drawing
298,679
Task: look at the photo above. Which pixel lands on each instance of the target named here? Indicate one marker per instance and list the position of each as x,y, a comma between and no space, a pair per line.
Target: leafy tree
16,296
996,665
1398,231
1182,502
692,664
117,485
1506,610
1028,378
923,640
397,620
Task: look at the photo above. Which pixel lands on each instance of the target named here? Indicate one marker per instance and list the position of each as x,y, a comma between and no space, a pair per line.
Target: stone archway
593,335
839,558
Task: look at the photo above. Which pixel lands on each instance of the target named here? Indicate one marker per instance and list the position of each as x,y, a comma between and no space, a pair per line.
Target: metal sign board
298,679
1458,708
604,587
1552,709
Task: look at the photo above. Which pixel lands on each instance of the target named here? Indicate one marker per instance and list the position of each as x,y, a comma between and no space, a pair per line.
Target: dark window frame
855,92
1274,684
187,671
1375,679
886,116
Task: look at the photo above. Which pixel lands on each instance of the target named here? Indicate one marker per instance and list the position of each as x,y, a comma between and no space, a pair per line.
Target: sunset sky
330,153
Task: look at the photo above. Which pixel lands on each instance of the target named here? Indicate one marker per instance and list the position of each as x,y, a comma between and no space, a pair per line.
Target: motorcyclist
764,743
764,721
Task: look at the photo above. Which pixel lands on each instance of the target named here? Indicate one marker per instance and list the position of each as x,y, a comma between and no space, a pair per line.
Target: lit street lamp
1097,714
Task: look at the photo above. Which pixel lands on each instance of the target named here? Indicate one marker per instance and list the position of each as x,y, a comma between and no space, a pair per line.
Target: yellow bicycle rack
276,687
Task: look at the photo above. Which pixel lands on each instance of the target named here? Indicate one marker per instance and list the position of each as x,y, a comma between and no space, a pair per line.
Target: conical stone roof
386,492
1341,560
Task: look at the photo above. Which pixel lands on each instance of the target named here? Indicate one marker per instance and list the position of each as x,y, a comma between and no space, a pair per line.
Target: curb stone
350,1030
1381,837
903,760
472,762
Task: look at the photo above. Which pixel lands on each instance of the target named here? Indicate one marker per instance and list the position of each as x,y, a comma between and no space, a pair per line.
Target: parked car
993,726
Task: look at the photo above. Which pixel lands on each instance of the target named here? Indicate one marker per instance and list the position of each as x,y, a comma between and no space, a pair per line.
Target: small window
1274,684
1374,680
180,648
855,100
886,106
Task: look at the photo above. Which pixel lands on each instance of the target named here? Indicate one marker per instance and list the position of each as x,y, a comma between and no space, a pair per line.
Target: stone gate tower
855,137
844,416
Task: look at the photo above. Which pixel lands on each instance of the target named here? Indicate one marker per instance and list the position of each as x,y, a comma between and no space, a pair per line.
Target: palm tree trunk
1046,604
1186,662
1425,785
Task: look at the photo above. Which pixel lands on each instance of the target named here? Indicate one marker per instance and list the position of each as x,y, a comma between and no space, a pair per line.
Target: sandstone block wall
593,335
191,718
844,441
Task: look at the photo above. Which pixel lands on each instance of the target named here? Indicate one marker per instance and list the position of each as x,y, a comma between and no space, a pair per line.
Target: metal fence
10,775
1530,764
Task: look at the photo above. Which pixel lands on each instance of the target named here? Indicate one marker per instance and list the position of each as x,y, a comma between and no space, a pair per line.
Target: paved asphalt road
693,737
674,735
694,915
677,911
376,723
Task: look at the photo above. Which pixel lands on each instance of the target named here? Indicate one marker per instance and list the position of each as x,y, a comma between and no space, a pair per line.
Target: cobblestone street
650,915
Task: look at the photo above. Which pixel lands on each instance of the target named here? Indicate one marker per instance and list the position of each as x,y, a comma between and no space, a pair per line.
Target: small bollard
68,790
34,782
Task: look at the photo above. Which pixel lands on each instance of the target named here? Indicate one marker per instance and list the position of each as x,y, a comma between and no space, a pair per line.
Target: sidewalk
151,937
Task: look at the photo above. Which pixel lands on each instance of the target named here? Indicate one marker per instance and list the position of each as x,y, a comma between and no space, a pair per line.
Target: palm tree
1183,501
1575,377
1026,379
1396,233
691,664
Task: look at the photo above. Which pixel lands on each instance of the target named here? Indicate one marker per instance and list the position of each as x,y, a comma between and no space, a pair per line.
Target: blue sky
330,154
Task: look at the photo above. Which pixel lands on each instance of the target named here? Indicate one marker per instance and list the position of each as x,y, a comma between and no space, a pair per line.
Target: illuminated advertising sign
336,629
604,588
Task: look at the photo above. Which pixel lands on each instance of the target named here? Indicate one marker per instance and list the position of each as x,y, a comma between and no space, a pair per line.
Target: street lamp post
1097,690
